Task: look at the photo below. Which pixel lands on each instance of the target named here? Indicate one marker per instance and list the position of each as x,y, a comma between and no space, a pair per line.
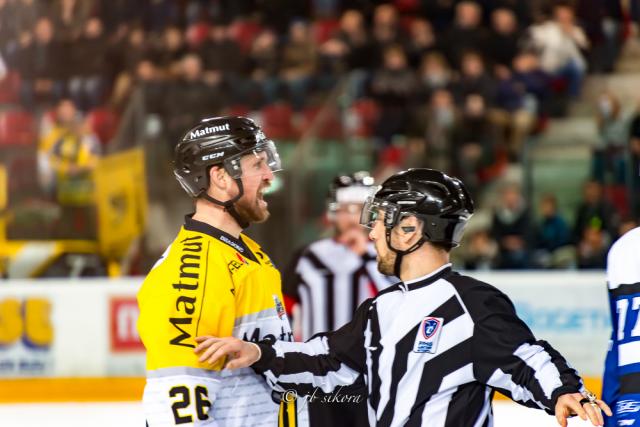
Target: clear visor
260,160
379,210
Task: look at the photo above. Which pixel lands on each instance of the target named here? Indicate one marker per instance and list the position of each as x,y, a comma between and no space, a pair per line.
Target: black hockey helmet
350,188
440,201
220,141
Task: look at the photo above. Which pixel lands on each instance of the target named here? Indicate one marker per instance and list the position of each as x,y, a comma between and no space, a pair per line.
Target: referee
433,348
329,279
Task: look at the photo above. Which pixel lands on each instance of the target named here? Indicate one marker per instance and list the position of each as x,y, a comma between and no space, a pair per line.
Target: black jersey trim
226,238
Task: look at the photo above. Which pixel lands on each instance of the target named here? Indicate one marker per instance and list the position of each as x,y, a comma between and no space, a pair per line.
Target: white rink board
94,331
129,414
569,309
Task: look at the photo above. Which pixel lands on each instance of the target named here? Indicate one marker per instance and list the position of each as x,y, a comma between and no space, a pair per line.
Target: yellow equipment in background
119,196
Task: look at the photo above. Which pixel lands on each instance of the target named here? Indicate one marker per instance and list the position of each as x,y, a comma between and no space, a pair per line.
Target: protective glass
262,157
378,209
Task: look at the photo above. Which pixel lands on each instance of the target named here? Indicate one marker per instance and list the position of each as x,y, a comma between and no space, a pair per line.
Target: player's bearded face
252,207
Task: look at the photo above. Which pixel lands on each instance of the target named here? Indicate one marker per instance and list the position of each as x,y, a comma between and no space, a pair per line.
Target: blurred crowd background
533,104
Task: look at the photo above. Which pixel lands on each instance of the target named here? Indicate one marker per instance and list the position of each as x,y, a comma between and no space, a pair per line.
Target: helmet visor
379,210
258,160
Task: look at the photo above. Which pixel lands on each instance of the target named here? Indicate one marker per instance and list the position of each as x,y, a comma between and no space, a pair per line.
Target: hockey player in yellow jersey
214,280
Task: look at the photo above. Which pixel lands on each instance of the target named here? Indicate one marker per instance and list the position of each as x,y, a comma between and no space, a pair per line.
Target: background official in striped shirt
329,279
435,347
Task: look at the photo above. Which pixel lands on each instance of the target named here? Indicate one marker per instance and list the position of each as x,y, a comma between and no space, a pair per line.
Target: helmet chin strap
400,254
229,204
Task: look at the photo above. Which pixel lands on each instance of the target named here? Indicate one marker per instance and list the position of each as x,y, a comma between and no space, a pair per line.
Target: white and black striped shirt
328,281
432,351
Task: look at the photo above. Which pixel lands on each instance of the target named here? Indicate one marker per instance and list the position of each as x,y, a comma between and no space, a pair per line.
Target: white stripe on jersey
502,380
628,353
623,261
435,410
540,361
333,282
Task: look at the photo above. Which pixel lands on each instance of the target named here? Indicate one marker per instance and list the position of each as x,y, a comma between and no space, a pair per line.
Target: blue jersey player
621,386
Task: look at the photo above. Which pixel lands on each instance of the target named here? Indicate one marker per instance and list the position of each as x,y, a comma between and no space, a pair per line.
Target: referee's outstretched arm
507,357
326,361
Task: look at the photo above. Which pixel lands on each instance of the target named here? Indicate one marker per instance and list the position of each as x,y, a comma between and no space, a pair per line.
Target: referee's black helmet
440,201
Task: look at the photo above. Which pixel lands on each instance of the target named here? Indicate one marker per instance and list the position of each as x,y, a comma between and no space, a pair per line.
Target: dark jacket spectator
592,249
422,40
466,34
594,211
473,142
553,231
511,229
38,62
354,34
502,43
474,78
434,74
88,83
393,86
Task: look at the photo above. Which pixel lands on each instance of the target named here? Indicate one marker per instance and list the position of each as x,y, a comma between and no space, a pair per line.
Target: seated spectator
473,142
466,34
298,63
171,50
66,157
223,63
89,81
189,99
502,42
474,78
354,34
128,54
263,63
633,168
361,56
39,66
386,32
603,23
553,236
150,79
528,73
594,211
431,132
511,229
434,74
510,116
479,251
561,42
422,40
332,63
609,156
70,17
592,249
393,86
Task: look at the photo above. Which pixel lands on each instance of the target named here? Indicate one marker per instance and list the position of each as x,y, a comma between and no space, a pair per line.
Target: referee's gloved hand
241,354
570,404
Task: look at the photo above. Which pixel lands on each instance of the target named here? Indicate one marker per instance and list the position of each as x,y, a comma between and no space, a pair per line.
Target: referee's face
385,256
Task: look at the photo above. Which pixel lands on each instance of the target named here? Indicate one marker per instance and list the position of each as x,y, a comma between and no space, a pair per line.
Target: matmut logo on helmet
219,141
208,131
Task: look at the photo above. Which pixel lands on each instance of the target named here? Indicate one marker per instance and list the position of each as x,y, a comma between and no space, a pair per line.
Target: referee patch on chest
428,335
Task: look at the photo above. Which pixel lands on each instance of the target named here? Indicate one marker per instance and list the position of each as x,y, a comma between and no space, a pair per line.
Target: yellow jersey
208,283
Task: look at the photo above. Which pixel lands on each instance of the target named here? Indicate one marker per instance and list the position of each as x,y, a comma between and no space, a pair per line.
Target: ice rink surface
129,414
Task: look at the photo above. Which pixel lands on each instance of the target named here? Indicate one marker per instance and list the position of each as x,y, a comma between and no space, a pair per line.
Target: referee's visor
379,210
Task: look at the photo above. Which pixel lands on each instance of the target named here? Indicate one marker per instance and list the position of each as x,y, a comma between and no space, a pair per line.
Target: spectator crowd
454,85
